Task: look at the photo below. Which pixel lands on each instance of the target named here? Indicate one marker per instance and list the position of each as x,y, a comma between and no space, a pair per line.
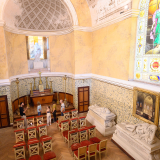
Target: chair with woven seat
19,135
74,113
92,134
73,141
47,149
20,123
102,147
39,120
19,151
73,123
83,134
66,115
91,151
81,153
82,122
30,121
33,148
64,128
32,133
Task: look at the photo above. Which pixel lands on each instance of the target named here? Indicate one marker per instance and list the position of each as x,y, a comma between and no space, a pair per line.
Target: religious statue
37,52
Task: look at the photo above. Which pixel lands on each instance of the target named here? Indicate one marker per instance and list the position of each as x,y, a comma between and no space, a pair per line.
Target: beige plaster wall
3,56
62,53
111,50
16,54
83,52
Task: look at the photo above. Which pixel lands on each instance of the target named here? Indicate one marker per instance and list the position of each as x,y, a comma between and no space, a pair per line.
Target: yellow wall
111,50
16,54
3,56
83,52
62,53
83,12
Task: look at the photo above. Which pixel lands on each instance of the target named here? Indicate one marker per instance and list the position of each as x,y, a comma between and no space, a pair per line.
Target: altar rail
69,98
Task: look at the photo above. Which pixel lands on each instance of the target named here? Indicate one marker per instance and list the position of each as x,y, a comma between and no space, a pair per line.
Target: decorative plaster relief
102,10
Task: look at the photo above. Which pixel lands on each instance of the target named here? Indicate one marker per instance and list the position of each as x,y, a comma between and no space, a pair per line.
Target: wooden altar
42,97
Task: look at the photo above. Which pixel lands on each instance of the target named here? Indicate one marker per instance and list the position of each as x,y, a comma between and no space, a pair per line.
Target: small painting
146,105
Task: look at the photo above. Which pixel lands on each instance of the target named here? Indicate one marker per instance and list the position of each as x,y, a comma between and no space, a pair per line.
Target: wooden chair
19,135
39,120
65,128
42,129
73,123
92,135
47,149
33,148
81,153
19,151
66,115
82,122
20,123
74,113
60,118
73,141
102,147
92,150
83,134
30,121
32,133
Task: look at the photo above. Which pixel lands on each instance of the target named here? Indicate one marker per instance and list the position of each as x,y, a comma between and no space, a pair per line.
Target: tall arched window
147,57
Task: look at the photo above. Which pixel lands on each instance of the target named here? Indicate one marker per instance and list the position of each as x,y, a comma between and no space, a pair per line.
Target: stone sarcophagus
102,118
138,140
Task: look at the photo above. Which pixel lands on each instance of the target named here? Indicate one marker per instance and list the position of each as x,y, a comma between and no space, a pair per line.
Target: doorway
83,99
4,113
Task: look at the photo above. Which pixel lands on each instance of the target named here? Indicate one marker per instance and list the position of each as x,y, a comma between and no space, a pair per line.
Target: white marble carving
103,10
138,140
102,118
38,65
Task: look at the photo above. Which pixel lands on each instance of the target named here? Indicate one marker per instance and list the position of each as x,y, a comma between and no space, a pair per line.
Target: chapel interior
93,68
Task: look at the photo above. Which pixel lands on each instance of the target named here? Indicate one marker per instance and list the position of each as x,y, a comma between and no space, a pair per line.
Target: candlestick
34,87
40,81
46,83
51,87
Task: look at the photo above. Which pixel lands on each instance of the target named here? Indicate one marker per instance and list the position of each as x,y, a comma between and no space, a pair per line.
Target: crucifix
17,81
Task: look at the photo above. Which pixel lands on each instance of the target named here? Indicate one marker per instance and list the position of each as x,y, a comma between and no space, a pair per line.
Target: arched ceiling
38,15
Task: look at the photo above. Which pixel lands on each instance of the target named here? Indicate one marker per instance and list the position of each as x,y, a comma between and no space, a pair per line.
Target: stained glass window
147,57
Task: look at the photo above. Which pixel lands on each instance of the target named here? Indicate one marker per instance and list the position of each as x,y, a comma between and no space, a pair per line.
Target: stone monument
102,118
138,140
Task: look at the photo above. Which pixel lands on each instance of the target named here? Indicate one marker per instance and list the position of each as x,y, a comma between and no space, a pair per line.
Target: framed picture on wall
146,105
36,47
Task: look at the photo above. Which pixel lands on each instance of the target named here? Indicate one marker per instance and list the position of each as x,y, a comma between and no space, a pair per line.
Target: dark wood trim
83,98
45,47
27,47
7,111
123,149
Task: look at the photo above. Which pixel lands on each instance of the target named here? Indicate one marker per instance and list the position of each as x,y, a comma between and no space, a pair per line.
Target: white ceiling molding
73,12
123,16
43,74
109,80
4,82
33,33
